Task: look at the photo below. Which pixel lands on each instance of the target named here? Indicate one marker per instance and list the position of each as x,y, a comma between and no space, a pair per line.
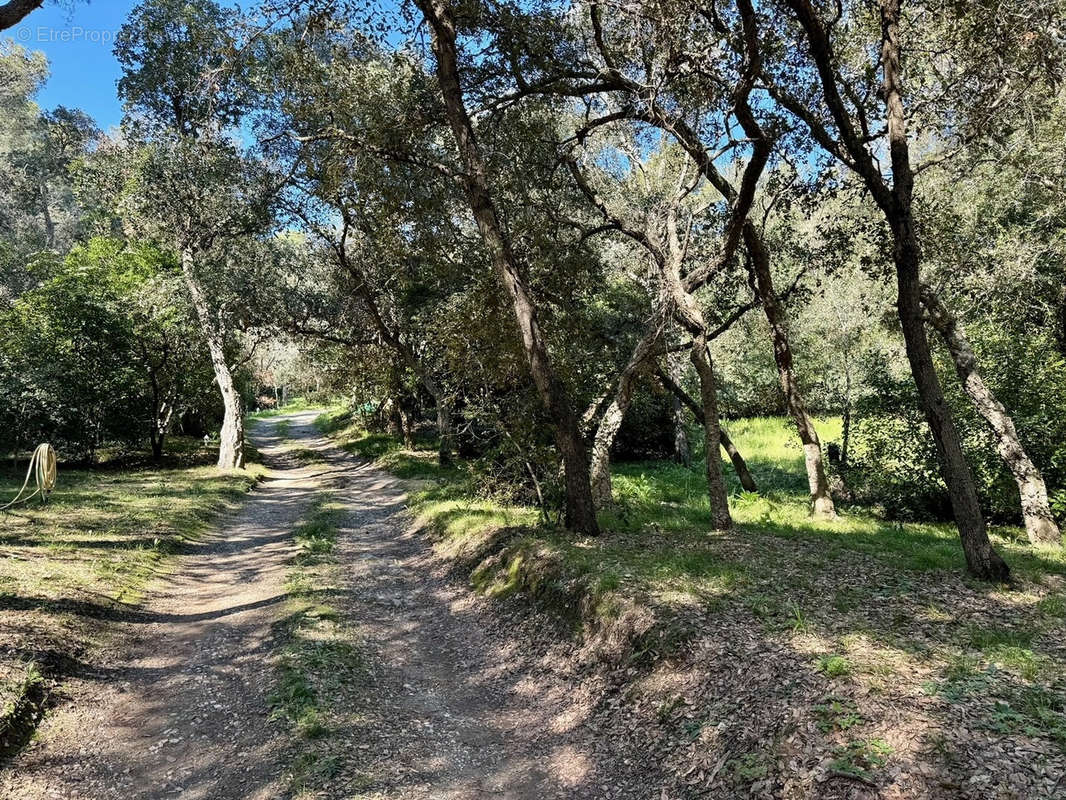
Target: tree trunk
14,11
580,509
818,483
444,431
611,421
740,466
231,444
712,435
445,444
406,427
1039,523
981,559
682,446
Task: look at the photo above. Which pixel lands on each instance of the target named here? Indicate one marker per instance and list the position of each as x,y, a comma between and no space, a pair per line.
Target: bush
893,461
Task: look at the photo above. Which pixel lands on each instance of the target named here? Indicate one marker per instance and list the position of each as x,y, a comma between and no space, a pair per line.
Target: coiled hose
44,472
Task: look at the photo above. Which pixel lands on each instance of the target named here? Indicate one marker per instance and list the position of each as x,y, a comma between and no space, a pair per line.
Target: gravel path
455,708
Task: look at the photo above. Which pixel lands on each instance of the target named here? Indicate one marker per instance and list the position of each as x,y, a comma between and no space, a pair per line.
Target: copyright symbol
24,34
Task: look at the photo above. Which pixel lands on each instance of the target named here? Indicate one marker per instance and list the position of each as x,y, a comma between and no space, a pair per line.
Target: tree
185,86
669,236
606,62
836,103
580,508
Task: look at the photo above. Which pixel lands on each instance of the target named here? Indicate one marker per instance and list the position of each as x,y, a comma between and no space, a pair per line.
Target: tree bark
444,431
1039,523
682,446
14,11
712,435
740,466
406,427
580,509
612,418
231,439
896,203
444,413
981,558
818,483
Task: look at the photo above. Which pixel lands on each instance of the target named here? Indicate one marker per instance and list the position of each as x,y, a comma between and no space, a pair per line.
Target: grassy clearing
76,562
874,608
320,666
293,406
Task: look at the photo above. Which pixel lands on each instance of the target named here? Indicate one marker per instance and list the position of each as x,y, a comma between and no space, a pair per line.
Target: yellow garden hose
43,471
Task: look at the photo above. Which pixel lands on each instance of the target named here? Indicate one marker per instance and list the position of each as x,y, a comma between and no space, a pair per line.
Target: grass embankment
876,612
320,667
70,566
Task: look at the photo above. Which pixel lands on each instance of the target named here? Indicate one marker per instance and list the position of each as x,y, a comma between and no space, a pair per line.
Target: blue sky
78,38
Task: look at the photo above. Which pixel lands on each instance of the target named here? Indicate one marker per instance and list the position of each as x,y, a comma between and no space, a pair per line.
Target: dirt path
181,710
454,710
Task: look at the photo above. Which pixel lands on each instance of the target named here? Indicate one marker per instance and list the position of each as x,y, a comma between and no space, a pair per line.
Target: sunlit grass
295,405
71,564
869,600
103,533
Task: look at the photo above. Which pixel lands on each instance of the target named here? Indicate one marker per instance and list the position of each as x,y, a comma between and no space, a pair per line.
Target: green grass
294,406
103,533
834,666
674,498
869,602
72,565
860,758
320,664
384,450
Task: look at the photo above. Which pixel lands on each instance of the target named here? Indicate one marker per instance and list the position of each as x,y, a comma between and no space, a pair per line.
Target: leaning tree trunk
682,446
1039,523
444,410
231,440
580,509
14,11
611,421
821,498
740,466
981,558
712,434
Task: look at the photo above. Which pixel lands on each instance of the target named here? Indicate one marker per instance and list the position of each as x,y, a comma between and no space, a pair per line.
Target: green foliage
837,714
860,758
893,461
102,351
834,666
